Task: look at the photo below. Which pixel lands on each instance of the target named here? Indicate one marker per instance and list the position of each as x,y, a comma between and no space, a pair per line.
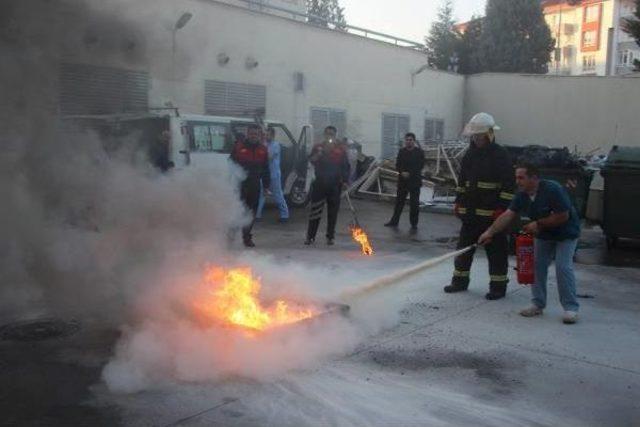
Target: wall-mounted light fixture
223,59
251,63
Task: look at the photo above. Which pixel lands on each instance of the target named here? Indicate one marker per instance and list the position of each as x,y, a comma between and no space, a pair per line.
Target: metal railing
308,18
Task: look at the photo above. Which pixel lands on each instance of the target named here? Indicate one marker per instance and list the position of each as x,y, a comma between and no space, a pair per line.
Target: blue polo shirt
550,198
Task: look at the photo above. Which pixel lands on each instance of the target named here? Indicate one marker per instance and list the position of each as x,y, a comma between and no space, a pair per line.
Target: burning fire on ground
232,298
360,236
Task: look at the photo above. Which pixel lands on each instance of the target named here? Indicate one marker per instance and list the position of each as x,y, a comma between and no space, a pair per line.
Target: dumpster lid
623,158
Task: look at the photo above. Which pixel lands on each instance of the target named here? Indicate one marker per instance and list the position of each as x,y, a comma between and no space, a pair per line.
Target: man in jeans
556,228
274,149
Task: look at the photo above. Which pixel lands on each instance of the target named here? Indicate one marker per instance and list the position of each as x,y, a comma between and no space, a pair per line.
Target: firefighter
409,164
331,165
253,157
485,190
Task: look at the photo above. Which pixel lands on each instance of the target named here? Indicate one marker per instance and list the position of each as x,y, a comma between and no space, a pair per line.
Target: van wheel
298,197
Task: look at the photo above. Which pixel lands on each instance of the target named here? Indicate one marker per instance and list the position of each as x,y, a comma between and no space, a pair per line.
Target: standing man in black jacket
409,164
486,186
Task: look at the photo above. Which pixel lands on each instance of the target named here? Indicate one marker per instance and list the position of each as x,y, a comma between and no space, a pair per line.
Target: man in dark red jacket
253,157
332,173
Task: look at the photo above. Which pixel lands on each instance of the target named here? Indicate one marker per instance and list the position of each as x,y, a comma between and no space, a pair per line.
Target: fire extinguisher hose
397,277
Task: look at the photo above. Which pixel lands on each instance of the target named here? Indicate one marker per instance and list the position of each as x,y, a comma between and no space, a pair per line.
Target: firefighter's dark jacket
411,161
486,183
254,159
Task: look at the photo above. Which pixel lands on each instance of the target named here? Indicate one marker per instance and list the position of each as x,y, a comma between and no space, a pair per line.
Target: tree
442,41
515,37
631,26
469,44
323,12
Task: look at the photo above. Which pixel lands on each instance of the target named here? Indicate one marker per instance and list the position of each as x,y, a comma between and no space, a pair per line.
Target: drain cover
38,330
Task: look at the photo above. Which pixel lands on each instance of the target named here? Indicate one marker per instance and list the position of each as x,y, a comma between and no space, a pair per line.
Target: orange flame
361,237
231,298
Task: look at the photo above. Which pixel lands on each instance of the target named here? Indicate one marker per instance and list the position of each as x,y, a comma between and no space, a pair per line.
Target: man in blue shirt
556,227
276,178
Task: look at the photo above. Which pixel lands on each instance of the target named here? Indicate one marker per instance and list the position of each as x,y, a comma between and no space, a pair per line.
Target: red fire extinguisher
525,259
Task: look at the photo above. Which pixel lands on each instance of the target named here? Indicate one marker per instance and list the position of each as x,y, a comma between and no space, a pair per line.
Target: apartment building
589,37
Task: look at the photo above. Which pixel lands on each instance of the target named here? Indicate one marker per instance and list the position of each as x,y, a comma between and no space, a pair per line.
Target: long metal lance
353,210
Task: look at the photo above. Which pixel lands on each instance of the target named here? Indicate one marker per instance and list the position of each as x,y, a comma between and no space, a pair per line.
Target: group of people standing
489,199
261,162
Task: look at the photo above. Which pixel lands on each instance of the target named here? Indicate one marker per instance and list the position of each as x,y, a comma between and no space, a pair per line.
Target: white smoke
91,234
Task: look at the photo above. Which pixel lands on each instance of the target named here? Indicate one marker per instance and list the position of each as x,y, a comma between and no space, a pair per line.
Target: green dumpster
575,180
621,194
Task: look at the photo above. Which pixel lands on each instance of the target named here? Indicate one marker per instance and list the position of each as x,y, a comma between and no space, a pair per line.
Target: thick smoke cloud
82,229
91,234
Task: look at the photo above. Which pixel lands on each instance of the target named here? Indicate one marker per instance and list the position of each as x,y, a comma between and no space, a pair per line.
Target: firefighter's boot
497,290
458,284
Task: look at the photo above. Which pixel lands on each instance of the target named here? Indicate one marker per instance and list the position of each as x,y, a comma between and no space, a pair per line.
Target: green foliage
325,11
631,26
515,37
442,41
469,47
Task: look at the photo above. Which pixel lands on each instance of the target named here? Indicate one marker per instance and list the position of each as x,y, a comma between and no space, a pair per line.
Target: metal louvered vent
394,127
323,117
234,99
90,89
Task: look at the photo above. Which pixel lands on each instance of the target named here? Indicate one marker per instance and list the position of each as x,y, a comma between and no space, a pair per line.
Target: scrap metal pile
378,179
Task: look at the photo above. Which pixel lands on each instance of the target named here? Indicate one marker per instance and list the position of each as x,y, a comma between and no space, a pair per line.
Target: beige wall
364,77
590,112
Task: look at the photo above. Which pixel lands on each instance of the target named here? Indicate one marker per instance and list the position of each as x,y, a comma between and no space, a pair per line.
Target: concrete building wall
363,77
585,112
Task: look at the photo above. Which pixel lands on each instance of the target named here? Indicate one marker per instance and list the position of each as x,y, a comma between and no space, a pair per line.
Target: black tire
612,242
298,197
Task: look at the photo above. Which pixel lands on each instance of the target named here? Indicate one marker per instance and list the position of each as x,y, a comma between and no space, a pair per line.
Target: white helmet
480,123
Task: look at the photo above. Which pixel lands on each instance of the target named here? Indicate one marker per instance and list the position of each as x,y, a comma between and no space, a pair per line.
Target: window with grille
90,89
589,39
433,130
234,99
323,117
589,63
592,13
394,127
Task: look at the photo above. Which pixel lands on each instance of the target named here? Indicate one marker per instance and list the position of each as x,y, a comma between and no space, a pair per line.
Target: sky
409,19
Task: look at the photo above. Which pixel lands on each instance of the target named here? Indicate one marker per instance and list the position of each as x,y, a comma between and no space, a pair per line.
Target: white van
186,141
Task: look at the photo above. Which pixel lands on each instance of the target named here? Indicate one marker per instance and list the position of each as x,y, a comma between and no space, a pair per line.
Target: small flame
231,298
361,237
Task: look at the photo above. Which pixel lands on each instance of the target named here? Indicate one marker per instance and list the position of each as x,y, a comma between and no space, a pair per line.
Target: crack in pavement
196,415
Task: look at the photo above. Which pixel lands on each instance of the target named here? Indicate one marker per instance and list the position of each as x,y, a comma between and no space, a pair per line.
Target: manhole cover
37,330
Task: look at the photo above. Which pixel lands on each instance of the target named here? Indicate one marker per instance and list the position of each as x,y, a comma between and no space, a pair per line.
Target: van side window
209,137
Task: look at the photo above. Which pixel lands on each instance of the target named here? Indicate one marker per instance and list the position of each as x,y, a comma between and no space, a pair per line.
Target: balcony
568,51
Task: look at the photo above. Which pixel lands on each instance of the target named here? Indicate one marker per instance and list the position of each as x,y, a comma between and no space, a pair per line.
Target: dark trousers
321,193
404,189
250,196
497,253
